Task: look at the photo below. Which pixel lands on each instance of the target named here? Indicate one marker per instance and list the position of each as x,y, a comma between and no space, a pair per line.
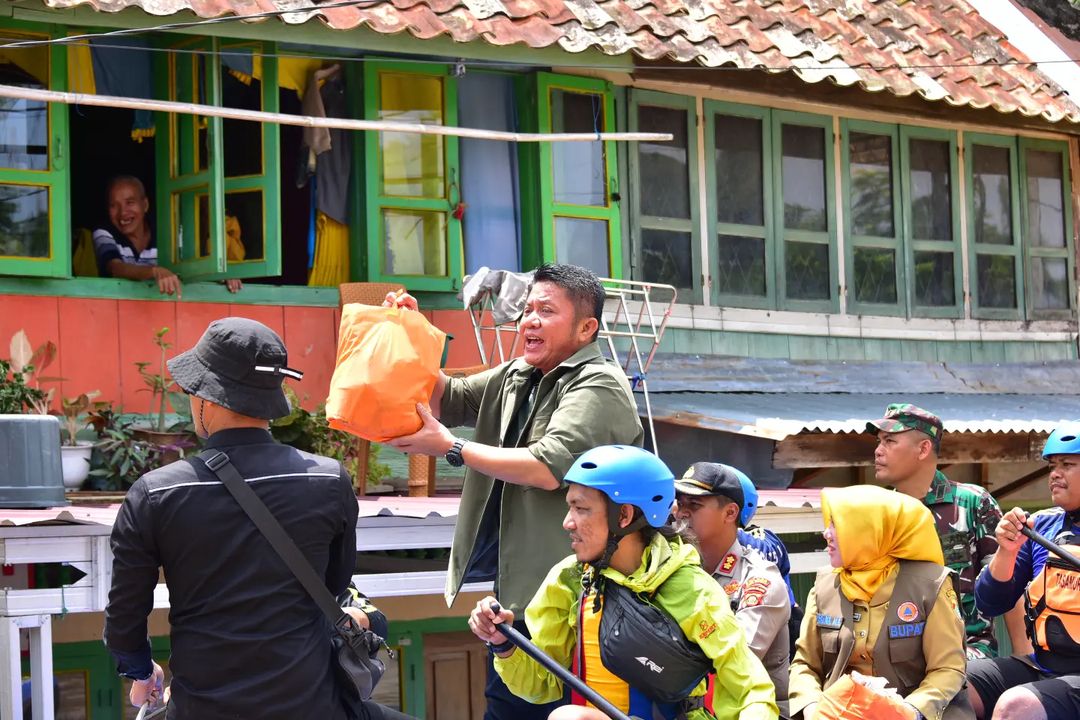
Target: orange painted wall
99,340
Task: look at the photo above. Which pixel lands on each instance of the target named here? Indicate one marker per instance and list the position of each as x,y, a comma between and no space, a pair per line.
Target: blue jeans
505,705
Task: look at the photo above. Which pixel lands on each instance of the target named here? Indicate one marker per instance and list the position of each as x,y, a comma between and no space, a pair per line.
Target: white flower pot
76,463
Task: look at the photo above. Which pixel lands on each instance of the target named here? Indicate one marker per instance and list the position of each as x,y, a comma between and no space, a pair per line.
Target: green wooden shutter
579,211
35,230
190,199
412,182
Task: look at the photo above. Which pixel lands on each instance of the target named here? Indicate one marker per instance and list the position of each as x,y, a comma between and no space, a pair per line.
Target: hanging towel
123,69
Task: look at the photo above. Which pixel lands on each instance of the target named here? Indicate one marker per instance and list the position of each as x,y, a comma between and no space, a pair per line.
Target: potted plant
123,457
172,439
74,453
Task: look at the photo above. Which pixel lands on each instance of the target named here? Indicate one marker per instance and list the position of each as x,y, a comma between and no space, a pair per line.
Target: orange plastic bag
849,700
387,362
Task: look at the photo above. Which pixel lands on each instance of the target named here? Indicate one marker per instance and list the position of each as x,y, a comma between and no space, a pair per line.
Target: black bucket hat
239,364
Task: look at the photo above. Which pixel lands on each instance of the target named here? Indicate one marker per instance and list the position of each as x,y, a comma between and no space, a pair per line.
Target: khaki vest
898,655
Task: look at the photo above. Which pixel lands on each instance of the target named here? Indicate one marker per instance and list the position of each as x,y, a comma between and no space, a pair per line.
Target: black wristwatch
502,647
453,455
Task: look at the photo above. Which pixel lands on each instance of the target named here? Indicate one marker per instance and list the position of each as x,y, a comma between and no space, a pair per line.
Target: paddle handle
525,645
1052,547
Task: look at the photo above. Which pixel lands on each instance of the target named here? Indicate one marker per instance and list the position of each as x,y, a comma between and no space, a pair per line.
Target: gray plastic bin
30,471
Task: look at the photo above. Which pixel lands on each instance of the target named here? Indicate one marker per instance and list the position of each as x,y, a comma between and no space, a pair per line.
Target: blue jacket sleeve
994,597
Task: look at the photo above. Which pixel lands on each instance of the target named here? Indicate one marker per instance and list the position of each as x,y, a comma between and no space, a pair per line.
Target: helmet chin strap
615,535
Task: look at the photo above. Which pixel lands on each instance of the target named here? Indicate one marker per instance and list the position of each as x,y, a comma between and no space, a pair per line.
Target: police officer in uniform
719,500
1044,685
886,608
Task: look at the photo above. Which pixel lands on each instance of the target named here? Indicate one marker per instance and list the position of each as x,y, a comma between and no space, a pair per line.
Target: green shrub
311,433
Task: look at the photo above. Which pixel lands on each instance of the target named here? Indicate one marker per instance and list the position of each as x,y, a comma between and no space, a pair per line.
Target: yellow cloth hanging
875,529
83,259
293,72
331,266
80,68
234,244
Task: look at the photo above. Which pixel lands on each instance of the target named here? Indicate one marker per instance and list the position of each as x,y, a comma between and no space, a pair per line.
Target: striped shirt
110,245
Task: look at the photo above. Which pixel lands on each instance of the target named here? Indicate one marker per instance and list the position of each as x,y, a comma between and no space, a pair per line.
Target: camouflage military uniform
966,516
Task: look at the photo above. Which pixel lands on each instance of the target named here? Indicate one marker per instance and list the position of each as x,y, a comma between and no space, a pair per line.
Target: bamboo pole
70,98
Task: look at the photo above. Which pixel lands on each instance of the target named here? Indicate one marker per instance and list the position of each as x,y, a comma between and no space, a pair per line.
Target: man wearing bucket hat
906,458
718,501
247,639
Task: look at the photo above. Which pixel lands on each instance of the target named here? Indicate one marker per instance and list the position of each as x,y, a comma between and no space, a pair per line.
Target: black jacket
247,640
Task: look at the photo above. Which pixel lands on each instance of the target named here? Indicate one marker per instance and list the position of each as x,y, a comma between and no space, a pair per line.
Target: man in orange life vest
1046,684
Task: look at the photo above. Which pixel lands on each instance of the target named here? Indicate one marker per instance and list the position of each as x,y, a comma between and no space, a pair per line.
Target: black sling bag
355,649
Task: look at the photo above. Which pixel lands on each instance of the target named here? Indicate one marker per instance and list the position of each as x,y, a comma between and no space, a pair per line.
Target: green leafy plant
159,384
16,393
20,380
72,410
310,432
123,459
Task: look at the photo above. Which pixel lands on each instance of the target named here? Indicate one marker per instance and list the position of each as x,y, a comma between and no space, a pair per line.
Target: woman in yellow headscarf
886,608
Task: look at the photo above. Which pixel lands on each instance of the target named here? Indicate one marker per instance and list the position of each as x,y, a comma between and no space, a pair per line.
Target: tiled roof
941,49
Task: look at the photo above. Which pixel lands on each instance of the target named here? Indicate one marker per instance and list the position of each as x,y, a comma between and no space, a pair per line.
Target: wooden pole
70,98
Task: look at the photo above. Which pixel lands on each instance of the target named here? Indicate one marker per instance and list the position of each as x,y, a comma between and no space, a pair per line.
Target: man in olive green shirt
533,417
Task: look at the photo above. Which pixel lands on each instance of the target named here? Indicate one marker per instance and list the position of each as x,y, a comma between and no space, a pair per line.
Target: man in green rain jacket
533,416
619,501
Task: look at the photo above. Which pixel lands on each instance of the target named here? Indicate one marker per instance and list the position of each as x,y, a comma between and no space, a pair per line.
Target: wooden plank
822,450
1022,482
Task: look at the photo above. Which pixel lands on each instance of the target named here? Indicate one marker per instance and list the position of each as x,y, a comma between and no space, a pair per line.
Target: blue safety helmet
1063,441
629,475
750,498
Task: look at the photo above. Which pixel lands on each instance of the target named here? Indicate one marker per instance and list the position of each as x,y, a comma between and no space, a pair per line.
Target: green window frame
778,240
786,236
872,243
551,209
1036,255
378,202
53,178
190,168
996,253
744,231
640,222
267,182
916,245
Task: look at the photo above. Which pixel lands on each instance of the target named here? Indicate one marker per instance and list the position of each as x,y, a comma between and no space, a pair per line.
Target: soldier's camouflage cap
901,417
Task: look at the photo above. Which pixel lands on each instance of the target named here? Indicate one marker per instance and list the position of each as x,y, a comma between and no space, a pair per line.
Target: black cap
238,364
706,478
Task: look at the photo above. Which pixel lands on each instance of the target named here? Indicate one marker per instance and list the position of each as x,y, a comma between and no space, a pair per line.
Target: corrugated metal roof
419,508
941,50
711,373
372,506
776,416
